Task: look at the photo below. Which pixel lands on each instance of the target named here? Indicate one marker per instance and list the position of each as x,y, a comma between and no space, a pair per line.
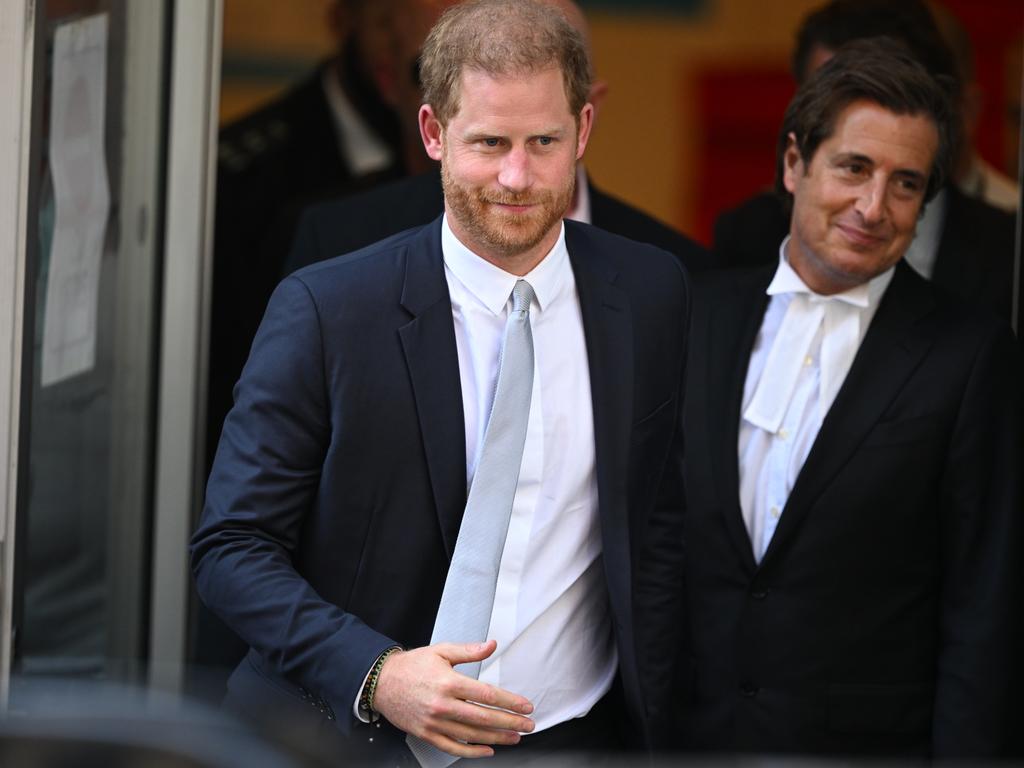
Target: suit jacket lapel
892,348
607,325
732,328
428,342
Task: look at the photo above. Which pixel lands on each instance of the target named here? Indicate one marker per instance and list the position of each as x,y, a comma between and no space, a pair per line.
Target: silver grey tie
464,614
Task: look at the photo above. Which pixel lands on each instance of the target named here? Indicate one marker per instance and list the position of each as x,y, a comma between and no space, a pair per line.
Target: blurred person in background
853,509
974,175
961,243
335,133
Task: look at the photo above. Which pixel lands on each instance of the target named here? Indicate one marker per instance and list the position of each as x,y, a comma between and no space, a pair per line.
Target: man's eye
855,168
909,187
545,140
491,142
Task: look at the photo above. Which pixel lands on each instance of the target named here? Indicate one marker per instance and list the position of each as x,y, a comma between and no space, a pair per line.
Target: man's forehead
866,124
529,91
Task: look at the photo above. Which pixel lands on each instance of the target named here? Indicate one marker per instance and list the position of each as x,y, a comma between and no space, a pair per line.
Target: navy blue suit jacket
339,483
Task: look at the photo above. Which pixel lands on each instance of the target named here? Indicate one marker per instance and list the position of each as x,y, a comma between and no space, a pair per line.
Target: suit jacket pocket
900,431
866,708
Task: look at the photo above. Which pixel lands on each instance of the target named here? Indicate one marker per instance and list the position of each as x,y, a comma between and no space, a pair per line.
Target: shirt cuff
362,715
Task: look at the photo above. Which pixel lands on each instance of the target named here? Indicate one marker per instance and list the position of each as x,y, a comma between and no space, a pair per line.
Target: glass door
91,340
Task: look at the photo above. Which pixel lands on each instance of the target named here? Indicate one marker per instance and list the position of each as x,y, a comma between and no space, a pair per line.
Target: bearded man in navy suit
338,490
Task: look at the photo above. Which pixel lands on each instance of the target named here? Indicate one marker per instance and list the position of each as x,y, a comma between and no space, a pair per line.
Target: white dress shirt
800,359
361,148
550,618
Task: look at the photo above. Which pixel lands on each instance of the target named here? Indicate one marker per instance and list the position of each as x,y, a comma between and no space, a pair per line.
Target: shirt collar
492,286
786,280
362,150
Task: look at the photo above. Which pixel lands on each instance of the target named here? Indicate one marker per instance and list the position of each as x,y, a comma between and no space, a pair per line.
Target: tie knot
522,296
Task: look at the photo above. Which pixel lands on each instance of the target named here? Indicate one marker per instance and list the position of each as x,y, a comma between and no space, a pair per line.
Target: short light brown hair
501,37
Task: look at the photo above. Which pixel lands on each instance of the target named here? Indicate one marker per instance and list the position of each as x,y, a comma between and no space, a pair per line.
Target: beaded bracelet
370,686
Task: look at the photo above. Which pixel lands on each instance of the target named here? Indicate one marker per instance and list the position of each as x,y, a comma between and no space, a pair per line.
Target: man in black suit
347,224
338,500
963,244
853,520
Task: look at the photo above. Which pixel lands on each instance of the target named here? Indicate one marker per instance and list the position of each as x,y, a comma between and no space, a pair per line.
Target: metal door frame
17,60
188,246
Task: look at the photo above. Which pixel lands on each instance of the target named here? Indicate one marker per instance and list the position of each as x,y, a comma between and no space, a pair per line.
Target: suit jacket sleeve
659,584
981,496
264,480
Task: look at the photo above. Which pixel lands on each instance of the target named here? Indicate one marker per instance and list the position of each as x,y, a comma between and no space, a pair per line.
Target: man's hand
420,693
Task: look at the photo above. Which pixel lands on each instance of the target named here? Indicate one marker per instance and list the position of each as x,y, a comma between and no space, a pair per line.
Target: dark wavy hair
880,70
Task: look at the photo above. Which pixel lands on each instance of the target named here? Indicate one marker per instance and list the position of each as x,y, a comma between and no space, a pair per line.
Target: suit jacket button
759,594
749,690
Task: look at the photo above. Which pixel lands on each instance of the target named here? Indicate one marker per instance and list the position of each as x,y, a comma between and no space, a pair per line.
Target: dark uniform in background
271,164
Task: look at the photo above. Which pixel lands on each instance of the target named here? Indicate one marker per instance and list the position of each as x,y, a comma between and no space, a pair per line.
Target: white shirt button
774,512
808,361
782,433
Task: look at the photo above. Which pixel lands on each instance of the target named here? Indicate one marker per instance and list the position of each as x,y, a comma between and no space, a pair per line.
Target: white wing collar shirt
550,617
802,353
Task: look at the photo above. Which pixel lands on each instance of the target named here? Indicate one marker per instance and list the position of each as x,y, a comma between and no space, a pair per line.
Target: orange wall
650,136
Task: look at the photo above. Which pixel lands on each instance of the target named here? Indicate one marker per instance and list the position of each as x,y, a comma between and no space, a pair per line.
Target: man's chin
513,246
515,231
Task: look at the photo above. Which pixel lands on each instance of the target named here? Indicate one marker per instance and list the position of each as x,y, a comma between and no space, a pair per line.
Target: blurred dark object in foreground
55,723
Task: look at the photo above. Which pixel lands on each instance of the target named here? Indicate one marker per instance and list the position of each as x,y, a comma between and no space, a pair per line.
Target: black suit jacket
974,260
339,484
341,226
880,619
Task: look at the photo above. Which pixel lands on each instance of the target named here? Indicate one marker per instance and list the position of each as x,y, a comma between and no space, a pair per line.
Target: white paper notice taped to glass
81,197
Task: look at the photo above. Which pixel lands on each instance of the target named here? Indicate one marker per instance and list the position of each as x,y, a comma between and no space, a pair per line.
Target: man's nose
515,172
871,202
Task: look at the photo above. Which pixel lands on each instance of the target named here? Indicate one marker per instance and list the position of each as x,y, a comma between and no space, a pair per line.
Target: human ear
432,132
792,163
586,122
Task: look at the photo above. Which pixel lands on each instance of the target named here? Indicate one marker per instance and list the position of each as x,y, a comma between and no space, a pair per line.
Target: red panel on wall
995,28
740,111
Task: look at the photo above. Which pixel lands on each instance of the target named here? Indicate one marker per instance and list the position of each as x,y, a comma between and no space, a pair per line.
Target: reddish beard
503,232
